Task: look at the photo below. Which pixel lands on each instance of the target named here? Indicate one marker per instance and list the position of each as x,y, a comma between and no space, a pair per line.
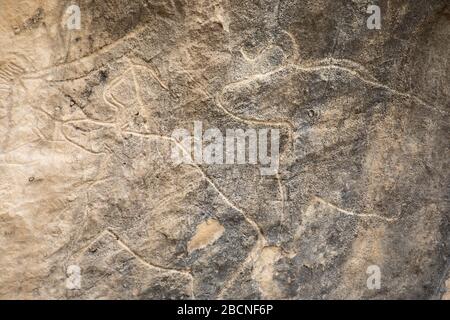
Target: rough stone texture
85,171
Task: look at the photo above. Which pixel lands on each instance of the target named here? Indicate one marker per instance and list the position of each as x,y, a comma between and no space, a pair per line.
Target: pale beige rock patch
206,234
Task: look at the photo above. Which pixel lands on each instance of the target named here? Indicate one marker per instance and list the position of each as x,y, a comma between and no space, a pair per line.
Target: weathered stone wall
92,205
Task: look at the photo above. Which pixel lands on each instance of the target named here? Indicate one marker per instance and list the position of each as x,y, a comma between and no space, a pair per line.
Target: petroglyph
87,179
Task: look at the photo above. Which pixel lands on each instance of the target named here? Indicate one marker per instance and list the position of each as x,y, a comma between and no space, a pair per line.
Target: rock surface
86,118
